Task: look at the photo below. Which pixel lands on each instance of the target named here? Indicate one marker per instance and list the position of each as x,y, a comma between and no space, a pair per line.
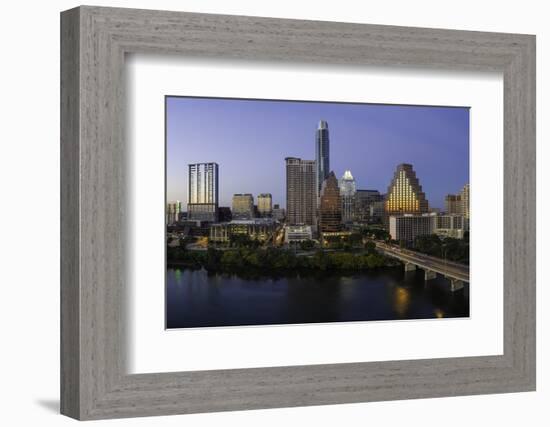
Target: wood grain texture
70,297
94,381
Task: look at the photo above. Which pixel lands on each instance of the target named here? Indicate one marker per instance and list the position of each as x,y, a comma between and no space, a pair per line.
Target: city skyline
250,139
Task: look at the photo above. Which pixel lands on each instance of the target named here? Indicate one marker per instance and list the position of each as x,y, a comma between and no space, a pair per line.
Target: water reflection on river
195,298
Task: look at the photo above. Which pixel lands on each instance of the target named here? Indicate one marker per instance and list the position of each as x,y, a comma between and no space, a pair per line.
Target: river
195,298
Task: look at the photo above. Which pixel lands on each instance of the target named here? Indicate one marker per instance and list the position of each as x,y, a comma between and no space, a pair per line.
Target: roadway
446,268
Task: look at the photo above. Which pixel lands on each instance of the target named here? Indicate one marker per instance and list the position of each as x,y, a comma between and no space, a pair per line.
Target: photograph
297,212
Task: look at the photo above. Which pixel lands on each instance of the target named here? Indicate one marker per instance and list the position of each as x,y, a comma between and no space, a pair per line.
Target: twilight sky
250,139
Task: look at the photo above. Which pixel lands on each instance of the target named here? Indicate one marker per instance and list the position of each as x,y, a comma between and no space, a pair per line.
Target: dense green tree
370,247
307,245
457,250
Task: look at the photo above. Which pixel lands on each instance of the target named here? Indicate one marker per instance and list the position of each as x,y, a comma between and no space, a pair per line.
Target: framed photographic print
262,213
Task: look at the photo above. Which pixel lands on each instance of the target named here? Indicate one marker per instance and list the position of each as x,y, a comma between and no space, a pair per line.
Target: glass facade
242,206
265,208
330,209
202,193
322,153
347,194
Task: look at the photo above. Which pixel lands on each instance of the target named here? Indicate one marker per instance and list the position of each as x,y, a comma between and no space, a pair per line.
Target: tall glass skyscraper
330,210
347,194
202,194
322,154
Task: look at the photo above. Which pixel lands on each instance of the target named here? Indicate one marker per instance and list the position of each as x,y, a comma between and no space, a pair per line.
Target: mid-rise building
459,204
453,204
301,191
376,211
298,233
261,229
242,206
202,192
407,227
224,214
330,208
278,213
322,154
451,225
364,199
265,208
405,195
173,212
347,196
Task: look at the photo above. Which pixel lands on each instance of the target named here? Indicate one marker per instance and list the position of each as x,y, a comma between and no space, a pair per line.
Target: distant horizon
250,139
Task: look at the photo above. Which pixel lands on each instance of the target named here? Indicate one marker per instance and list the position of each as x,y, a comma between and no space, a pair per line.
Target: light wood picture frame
94,379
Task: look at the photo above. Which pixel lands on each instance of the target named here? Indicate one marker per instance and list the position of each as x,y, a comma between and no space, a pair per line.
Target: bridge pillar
456,285
429,275
409,266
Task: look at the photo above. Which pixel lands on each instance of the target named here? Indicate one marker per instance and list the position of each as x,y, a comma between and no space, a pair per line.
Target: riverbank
277,262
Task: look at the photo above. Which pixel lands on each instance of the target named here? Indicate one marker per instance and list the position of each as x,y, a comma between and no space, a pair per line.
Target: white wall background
29,215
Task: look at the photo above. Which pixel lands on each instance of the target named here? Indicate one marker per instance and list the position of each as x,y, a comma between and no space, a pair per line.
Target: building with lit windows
405,195
330,208
260,229
242,206
298,233
459,204
202,192
407,227
173,212
451,226
453,204
301,191
465,198
265,207
347,196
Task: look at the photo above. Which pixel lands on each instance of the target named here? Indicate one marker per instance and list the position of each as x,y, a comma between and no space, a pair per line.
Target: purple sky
250,139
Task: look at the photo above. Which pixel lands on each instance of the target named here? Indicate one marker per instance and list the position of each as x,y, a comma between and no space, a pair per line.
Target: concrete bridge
458,274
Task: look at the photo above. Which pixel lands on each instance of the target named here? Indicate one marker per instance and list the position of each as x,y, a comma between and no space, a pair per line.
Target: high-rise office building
242,206
265,207
405,195
453,204
322,154
459,204
301,191
347,196
202,193
330,208
465,199
173,212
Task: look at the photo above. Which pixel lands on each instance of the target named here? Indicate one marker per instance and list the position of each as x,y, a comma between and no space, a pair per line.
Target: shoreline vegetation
352,254
276,261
